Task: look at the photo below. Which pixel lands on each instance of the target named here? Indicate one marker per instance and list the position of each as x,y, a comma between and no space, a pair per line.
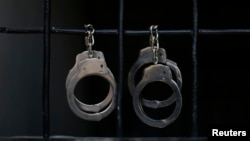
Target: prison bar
46,71
77,31
120,65
21,30
194,105
55,30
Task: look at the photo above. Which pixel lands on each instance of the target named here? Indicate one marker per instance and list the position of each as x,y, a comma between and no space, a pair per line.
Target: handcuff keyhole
98,57
101,65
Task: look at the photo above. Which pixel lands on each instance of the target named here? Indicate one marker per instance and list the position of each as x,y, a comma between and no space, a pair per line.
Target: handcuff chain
89,38
154,42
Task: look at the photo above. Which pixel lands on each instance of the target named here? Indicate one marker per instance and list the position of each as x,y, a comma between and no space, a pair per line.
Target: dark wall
222,65
21,69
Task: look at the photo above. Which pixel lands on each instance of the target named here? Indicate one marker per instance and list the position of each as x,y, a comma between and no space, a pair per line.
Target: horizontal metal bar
82,31
167,32
21,30
188,32
54,30
223,31
126,32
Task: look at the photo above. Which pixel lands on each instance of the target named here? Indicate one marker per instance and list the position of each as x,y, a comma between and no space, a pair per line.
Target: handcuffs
90,63
159,71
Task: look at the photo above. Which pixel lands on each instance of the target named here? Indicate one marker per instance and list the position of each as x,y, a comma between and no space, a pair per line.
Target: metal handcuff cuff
90,63
159,71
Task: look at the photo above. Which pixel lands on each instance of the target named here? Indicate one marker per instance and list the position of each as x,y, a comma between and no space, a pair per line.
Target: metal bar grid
56,30
120,32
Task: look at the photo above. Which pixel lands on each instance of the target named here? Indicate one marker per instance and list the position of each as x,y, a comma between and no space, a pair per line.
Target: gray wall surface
21,69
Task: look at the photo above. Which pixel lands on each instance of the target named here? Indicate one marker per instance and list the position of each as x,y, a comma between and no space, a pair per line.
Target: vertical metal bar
194,59
120,77
46,70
